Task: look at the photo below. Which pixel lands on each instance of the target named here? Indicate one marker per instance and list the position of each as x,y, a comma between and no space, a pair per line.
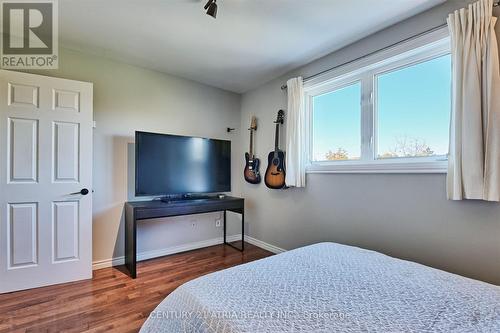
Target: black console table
143,210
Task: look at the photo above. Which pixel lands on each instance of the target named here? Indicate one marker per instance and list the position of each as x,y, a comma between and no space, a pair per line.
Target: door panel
66,225
66,100
23,95
45,158
22,144
22,234
66,151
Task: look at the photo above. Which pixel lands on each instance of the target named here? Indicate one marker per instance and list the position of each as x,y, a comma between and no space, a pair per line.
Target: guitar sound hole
276,162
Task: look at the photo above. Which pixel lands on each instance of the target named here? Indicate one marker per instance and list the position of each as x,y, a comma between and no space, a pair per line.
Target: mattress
329,287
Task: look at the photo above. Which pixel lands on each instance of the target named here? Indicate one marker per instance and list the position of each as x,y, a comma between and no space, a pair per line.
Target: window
413,110
386,113
337,112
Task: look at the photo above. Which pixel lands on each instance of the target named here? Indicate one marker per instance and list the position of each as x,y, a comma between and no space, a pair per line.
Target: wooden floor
111,301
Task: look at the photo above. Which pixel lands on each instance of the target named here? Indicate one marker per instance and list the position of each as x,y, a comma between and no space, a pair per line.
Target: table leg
242,212
242,230
130,241
225,242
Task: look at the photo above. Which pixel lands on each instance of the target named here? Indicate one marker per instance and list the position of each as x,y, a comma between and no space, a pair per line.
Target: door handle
83,191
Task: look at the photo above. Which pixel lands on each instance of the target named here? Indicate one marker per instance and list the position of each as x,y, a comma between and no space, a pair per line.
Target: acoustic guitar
252,174
275,173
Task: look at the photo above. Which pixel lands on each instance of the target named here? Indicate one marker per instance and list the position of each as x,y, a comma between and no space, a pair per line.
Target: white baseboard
264,245
99,264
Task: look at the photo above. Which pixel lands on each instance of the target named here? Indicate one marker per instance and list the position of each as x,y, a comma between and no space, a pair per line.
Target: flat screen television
179,165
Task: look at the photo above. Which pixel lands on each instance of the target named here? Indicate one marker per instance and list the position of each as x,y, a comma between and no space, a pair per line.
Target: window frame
412,52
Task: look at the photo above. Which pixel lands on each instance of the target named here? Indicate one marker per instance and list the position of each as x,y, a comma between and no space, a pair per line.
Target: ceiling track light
211,8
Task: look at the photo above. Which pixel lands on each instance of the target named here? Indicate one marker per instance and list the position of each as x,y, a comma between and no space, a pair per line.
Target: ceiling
250,42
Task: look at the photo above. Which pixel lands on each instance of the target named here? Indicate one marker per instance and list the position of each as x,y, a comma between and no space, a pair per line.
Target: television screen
173,164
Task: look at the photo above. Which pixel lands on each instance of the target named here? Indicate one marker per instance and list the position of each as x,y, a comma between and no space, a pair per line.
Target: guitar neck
250,152
276,137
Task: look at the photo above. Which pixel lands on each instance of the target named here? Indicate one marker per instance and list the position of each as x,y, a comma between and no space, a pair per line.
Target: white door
45,163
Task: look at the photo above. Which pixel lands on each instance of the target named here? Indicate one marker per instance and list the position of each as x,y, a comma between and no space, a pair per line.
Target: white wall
406,216
128,98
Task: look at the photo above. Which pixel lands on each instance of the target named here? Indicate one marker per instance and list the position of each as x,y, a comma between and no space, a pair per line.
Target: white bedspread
329,287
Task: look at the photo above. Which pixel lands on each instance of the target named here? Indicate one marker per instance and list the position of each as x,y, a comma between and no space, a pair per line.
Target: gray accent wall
403,215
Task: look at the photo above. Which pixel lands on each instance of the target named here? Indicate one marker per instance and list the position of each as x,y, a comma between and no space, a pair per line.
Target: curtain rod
283,87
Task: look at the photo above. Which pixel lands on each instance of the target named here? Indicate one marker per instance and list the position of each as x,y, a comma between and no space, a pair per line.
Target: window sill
387,167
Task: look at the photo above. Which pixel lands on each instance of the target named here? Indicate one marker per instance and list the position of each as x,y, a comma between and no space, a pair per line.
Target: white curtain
474,161
296,134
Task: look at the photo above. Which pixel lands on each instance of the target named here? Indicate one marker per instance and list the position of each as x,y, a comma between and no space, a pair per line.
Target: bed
329,287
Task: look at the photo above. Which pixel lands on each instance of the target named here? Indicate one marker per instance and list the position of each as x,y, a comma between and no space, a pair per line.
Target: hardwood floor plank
112,301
